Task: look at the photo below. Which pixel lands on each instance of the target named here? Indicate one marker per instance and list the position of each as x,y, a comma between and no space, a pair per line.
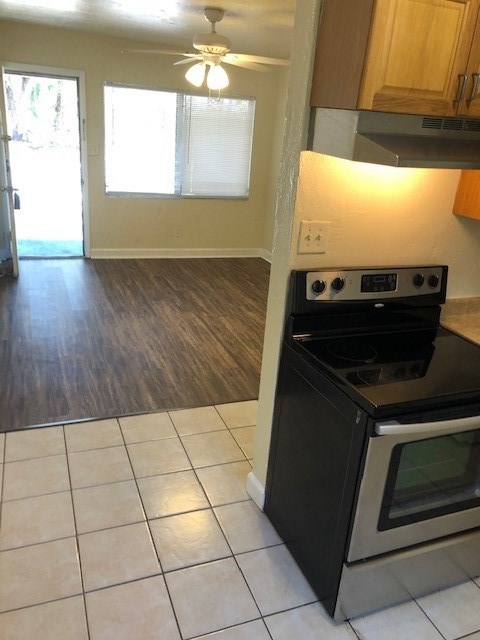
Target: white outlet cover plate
313,236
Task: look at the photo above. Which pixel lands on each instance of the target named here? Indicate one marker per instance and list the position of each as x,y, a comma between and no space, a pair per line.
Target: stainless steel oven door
420,482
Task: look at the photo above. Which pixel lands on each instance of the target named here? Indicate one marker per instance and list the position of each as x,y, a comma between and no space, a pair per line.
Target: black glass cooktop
406,368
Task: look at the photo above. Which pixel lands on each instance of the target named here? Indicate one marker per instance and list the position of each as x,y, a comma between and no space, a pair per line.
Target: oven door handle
394,428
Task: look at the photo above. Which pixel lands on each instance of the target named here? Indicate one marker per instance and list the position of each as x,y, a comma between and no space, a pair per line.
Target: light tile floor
140,528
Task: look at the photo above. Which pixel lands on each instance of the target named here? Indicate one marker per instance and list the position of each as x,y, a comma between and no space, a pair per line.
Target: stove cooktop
407,368
375,333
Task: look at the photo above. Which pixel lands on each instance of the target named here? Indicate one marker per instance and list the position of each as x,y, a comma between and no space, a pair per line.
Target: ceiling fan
212,50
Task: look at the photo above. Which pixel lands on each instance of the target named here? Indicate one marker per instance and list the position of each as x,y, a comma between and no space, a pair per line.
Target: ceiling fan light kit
212,47
217,78
196,74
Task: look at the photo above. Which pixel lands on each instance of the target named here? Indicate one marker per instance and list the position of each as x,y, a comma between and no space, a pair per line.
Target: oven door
420,482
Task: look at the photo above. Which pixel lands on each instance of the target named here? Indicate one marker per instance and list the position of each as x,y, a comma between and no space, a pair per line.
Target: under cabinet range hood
395,139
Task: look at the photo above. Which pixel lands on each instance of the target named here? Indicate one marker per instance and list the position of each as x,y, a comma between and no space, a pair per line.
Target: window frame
136,195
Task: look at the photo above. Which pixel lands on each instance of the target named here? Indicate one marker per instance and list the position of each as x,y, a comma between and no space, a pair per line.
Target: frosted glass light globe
196,74
217,78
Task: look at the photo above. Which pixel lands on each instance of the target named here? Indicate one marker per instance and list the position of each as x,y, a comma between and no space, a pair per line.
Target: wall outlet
313,236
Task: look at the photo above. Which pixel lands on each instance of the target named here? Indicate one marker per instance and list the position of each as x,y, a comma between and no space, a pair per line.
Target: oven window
431,477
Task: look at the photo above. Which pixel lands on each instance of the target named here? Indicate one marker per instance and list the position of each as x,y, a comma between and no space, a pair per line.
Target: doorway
44,123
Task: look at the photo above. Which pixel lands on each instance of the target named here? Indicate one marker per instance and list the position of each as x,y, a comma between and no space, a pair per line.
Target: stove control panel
368,284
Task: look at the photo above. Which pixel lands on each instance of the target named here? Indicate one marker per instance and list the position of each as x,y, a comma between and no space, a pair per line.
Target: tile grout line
209,508
226,540
230,627
147,522
194,469
349,624
36,544
465,637
428,618
77,543
233,428
40,604
469,635
242,574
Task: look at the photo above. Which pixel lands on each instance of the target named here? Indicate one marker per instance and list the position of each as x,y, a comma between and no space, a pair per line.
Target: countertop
462,315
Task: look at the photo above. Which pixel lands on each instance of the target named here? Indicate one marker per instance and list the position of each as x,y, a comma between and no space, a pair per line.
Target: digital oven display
378,282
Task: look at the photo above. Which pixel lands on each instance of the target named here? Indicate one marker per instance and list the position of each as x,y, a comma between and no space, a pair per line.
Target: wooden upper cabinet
467,200
414,56
417,56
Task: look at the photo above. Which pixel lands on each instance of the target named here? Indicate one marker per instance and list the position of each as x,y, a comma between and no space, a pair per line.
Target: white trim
7,213
79,75
41,70
256,490
178,253
84,161
266,255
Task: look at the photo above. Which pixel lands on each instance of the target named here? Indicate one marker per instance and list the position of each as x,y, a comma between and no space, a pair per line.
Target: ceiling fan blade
244,63
260,59
188,60
167,52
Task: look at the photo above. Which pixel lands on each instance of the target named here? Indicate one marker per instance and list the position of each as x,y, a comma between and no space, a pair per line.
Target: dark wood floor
83,339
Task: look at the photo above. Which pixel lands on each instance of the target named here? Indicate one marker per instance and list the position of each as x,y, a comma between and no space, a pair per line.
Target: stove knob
433,281
418,280
318,286
338,284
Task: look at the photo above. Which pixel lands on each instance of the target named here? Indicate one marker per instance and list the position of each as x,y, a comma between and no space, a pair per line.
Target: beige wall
122,223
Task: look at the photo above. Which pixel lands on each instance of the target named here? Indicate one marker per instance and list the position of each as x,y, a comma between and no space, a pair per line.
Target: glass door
43,117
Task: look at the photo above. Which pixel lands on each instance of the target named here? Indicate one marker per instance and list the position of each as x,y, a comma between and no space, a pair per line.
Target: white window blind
177,144
217,146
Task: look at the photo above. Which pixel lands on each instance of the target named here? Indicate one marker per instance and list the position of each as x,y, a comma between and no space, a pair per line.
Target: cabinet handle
475,88
462,83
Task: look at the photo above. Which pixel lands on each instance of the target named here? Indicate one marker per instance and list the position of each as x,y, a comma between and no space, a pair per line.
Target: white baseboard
179,253
256,490
266,255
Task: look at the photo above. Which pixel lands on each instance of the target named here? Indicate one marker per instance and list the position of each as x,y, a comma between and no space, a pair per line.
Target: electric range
374,464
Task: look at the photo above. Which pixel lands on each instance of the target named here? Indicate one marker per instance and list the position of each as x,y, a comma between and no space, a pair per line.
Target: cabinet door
417,56
342,40
471,105
467,200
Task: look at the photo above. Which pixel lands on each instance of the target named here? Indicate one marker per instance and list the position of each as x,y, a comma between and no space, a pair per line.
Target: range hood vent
396,139
452,124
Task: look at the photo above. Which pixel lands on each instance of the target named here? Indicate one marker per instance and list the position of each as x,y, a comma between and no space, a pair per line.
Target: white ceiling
261,27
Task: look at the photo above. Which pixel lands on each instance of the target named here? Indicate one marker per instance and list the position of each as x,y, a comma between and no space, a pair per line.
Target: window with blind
177,144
